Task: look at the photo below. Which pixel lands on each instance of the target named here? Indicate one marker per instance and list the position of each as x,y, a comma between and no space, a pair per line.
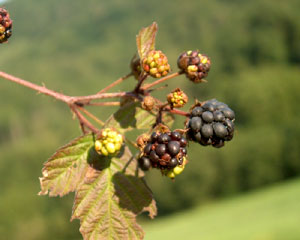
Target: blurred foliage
78,48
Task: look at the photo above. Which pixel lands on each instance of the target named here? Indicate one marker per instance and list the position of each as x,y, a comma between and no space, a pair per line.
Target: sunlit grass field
269,214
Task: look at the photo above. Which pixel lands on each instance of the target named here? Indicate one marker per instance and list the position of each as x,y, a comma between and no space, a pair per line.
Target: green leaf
133,116
65,170
110,192
145,40
110,198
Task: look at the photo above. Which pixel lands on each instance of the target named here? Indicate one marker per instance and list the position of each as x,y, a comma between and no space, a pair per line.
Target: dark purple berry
153,156
144,163
205,141
183,142
198,136
148,149
228,113
175,135
208,107
229,136
174,148
218,116
160,149
207,130
230,125
220,130
163,138
173,163
222,106
154,136
197,111
218,144
207,117
183,150
195,123
213,102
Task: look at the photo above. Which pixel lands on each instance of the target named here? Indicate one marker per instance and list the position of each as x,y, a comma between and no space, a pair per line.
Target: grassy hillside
269,214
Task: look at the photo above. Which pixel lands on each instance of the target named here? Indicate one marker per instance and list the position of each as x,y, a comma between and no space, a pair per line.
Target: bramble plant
99,166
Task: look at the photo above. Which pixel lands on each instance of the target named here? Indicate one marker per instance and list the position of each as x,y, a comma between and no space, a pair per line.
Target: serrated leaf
145,40
110,198
66,169
133,116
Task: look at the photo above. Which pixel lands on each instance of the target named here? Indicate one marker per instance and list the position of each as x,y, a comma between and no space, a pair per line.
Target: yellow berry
104,151
156,56
189,52
153,71
2,29
104,133
161,68
119,138
110,147
204,60
192,68
118,146
149,60
153,64
112,134
98,145
171,174
178,169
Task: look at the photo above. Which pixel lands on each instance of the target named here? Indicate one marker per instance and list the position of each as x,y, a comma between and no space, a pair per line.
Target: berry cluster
5,25
164,150
177,98
156,64
211,123
109,142
195,65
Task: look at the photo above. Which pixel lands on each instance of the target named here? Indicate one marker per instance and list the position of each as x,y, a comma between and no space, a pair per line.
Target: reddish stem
161,80
38,88
104,104
118,81
83,121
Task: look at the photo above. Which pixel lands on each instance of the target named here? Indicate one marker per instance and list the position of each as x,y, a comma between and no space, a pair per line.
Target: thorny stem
60,96
178,112
162,80
104,104
40,89
92,116
142,78
77,103
83,121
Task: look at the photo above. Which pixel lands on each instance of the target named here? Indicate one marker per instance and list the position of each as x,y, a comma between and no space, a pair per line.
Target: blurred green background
78,47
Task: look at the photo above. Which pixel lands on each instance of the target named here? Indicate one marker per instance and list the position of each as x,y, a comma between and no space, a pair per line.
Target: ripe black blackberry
195,65
211,123
163,150
5,25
